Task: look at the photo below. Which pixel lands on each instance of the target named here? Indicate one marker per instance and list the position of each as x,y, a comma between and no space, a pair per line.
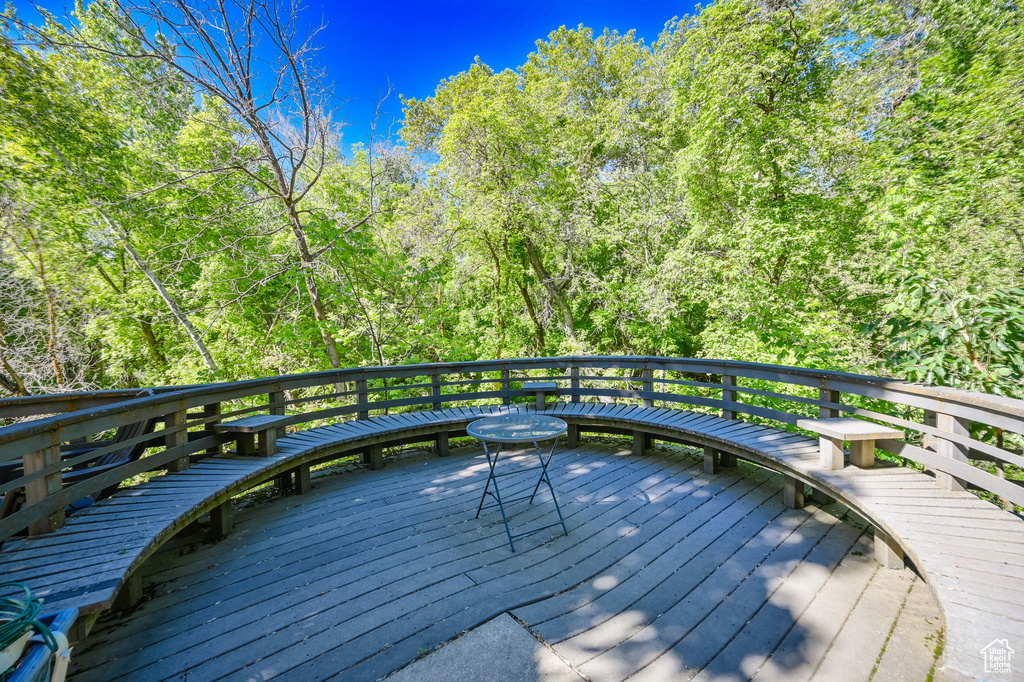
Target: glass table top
517,428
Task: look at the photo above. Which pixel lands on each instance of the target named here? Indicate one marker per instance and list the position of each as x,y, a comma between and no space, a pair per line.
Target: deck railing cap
196,395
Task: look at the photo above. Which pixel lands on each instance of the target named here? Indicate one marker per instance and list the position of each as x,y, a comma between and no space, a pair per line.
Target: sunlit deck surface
667,574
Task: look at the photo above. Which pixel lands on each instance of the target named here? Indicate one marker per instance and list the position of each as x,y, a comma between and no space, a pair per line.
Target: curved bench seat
970,552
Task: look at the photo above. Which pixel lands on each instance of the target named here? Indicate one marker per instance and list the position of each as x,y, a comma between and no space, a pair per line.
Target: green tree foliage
833,183
767,149
558,198
943,237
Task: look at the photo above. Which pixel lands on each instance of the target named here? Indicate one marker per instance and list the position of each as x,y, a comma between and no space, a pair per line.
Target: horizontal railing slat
955,409
954,467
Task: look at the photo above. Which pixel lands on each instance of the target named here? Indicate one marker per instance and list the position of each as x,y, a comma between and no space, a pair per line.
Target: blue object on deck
83,503
37,664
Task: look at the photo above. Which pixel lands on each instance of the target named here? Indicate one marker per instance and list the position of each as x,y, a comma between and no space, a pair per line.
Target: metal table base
492,481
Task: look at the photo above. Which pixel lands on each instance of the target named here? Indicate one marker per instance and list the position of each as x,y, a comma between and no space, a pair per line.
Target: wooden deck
667,573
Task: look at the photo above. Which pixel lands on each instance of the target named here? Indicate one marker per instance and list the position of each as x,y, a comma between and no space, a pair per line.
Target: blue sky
416,44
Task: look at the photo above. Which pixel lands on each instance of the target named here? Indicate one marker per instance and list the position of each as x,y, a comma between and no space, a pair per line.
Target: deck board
733,518
865,629
642,643
359,576
806,642
348,563
788,594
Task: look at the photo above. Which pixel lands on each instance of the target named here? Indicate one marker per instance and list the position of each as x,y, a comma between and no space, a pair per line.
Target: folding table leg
544,470
496,494
545,479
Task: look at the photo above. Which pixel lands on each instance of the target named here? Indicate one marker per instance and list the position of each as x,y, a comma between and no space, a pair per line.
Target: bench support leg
711,462
726,459
81,628
130,593
862,453
441,446
268,442
284,482
221,519
374,456
831,452
793,492
572,436
303,482
639,442
245,444
887,551
820,498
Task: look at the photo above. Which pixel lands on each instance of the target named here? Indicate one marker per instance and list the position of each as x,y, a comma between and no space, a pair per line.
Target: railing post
211,410
506,385
574,382
276,401
38,490
435,390
827,395
1001,471
946,448
928,441
728,395
645,374
173,440
441,439
362,398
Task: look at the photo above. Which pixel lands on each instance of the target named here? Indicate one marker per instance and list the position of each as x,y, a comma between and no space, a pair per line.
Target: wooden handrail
714,385
59,403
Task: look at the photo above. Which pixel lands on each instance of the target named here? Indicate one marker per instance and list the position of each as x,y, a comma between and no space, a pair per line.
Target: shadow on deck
667,573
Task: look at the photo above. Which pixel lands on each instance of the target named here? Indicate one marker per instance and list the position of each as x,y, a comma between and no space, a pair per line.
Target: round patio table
516,429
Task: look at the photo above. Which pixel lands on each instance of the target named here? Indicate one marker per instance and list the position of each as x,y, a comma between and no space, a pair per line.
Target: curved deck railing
945,427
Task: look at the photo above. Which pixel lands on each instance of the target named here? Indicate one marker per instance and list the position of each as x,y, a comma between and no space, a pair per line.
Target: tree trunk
556,296
533,316
51,310
305,257
176,310
11,381
319,310
500,299
146,323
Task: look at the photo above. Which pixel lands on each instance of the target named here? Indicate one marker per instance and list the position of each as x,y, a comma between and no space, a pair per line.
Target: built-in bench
970,552
860,434
541,389
247,429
